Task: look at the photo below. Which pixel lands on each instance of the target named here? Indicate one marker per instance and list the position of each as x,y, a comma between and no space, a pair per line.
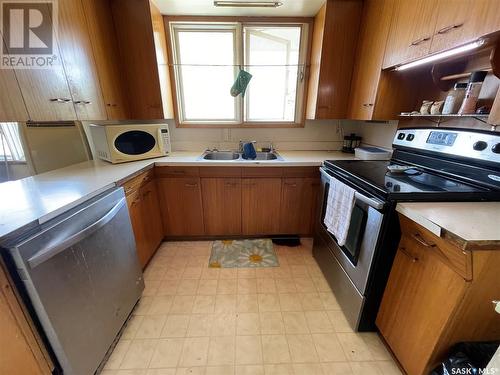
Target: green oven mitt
241,83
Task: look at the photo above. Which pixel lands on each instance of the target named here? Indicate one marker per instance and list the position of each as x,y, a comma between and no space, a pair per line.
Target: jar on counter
472,92
454,99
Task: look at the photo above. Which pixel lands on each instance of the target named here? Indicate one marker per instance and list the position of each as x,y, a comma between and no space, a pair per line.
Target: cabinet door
79,65
453,25
375,25
260,205
136,212
221,205
298,197
12,106
103,39
485,17
151,217
411,31
181,207
419,298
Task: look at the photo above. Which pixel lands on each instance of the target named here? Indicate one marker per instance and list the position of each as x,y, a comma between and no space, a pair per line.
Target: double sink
238,156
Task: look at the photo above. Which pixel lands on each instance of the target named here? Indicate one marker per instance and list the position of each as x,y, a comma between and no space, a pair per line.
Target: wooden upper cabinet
485,17
334,38
411,31
139,61
261,205
221,205
375,24
104,45
12,106
181,207
78,60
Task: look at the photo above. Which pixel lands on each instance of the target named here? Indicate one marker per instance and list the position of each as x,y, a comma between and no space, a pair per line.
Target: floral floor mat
243,254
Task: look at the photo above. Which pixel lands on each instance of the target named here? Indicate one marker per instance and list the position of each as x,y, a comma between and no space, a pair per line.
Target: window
207,58
11,148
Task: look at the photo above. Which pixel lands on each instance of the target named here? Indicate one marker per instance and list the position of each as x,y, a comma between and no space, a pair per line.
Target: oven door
356,255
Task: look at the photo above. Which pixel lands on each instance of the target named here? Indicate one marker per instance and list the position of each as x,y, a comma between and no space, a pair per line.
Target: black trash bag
467,358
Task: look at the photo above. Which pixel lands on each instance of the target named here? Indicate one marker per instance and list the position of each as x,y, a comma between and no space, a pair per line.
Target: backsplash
373,134
315,135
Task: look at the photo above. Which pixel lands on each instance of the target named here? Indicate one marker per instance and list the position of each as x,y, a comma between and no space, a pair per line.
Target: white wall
373,134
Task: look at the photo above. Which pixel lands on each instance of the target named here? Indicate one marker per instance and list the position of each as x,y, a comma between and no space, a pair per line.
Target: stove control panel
456,142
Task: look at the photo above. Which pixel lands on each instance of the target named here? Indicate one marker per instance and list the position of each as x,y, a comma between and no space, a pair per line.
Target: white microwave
119,143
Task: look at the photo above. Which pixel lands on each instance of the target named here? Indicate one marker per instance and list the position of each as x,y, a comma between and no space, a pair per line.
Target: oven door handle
372,202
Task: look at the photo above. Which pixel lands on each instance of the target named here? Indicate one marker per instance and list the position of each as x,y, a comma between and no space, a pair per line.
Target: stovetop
412,185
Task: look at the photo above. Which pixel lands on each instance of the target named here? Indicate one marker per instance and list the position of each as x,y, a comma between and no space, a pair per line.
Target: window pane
272,93
204,87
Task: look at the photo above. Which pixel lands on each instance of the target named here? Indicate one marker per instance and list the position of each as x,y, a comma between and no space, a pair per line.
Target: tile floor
267,321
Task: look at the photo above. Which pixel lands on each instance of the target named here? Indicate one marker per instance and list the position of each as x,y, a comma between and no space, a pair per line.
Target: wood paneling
104,45
21,353
335,35
134,29
261,205
12,106
221,205
373,34
298,196
181,206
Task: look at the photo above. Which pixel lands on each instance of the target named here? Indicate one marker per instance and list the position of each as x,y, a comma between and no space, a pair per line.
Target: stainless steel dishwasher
83,279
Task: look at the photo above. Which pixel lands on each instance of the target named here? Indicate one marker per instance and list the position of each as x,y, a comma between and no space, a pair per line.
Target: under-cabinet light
442,55
248,4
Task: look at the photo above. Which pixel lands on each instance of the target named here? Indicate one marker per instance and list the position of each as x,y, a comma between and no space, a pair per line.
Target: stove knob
480,145
401,136
388,184
397,187
496,148
410,137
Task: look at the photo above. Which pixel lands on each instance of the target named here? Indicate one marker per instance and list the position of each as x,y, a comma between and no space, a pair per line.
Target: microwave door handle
372,202
54,249
160,141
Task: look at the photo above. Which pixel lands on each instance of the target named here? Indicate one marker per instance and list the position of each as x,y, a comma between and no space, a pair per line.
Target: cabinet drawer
457,259
176,171
301,172
135,183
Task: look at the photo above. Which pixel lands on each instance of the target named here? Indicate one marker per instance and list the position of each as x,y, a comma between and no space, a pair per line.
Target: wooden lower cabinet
261,205
181,206
144,210
298,197
21,350
221,205
429,303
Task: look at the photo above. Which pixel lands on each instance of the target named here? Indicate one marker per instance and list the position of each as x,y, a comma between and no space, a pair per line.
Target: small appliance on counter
351,141
372,153
119,143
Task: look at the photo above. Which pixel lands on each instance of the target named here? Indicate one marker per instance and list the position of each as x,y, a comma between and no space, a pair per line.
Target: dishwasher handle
54,249
372,202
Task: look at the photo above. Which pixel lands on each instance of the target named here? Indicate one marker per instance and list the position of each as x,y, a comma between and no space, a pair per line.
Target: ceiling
290,8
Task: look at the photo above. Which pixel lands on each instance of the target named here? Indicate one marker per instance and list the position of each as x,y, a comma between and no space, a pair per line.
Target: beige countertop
474,224
37,199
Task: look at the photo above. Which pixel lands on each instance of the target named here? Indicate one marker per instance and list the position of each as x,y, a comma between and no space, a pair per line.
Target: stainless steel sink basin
232,155
266,156
221,155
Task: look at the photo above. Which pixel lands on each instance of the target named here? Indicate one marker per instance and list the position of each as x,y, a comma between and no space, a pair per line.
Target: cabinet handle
417,237
292,184
419,41
232,183
82,102
60,100
413,259
178,172
249,184
190,185
144,195
368,105
111,105
444,30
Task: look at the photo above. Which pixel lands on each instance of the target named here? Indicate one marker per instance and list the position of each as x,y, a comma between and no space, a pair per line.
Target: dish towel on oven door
339,209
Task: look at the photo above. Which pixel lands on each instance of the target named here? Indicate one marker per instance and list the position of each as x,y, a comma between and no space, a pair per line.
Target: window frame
174,23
